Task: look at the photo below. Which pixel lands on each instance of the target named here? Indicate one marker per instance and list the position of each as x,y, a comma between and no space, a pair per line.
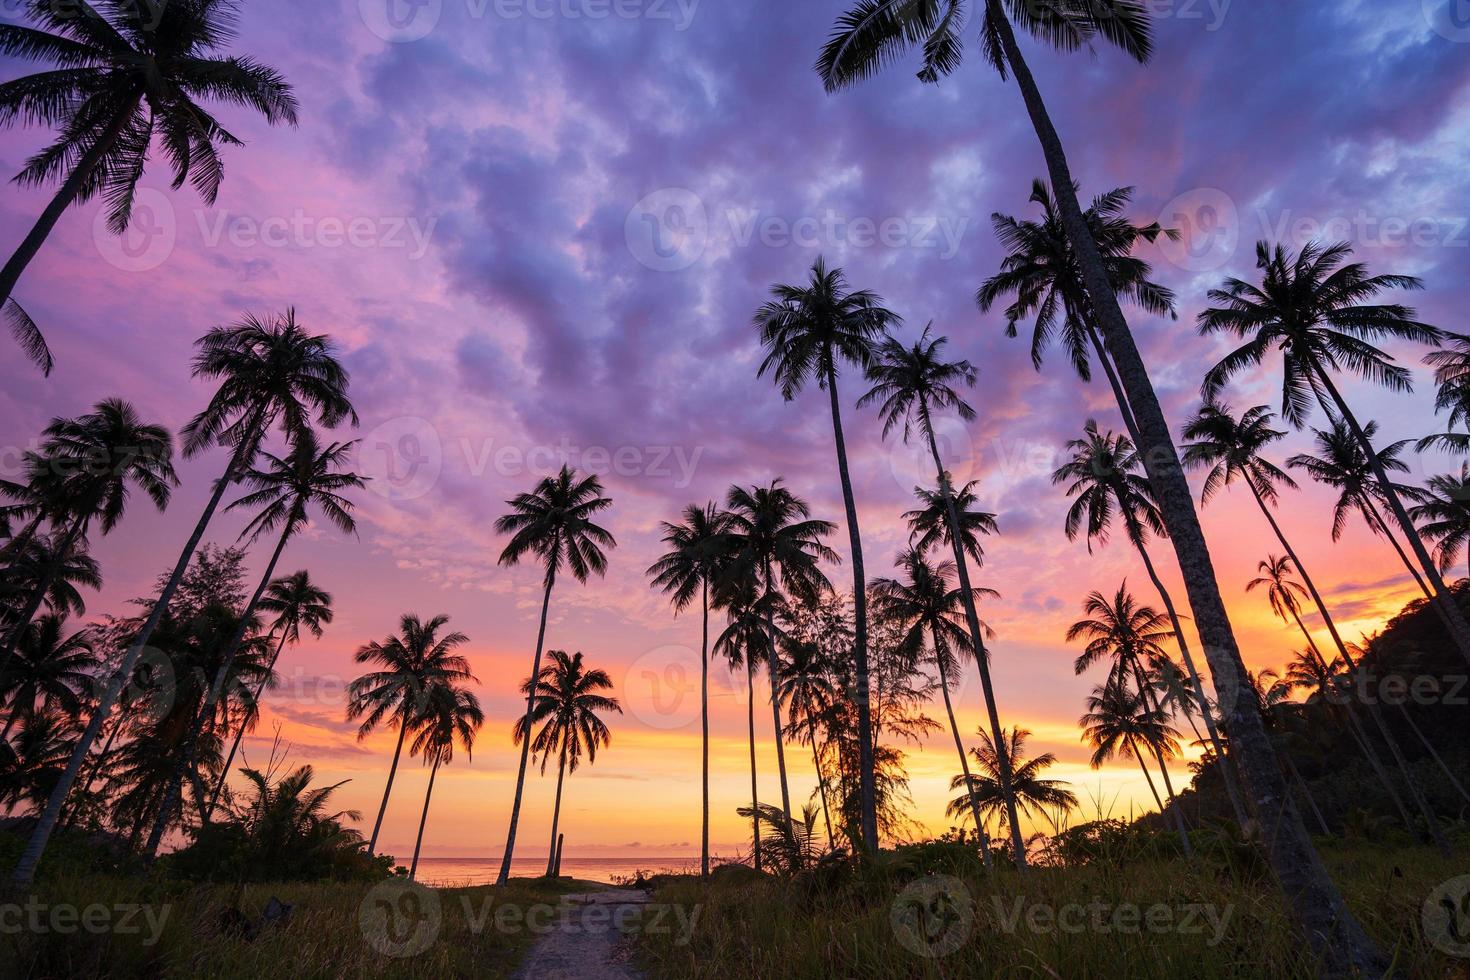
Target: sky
538,230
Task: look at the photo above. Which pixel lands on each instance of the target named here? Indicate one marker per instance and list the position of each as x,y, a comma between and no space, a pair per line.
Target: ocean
446,872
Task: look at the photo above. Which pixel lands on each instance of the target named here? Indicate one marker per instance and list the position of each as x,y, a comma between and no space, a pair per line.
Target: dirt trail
586,943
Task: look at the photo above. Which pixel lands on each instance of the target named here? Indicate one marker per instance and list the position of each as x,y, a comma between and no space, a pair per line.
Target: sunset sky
538,231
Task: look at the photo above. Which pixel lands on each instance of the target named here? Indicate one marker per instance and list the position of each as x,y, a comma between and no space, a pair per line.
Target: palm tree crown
1340,463
929,523
771,532
567,703
698,547
1443,515
411,666
1121,630
554,523
910,382
287,486
1282,591
1106,480
295,601
1232,449
1034,794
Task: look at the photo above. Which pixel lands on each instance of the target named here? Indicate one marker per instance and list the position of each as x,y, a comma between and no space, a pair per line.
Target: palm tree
1106,477
808,331
929,523
1311,307
744,642
566,701
87,465
1118,722
52,671
119,81
1452,391
414,664
295,601
806,688
1342,465
452,714
773,538
69,570
1036,795
698,547
1129,636
269,372
927,608
554,522
910,383
1443,515
875,33
284,491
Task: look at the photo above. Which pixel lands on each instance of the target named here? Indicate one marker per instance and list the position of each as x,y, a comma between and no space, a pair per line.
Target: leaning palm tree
909,384
698,545
412,666
875,33
809,331
294,601
125,74
773,538
566,702
1451,365
929,611
1314,308
1443,515
285,491
269,372
1105,476
1036,795
1118,722
52,671
554,522
452,714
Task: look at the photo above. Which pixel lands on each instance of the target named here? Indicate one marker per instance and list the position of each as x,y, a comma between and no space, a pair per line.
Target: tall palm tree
91,463
929,523
125,74
269,372
1451,365
873,34
566,699
809,331
1129,636
284,491
744,642
294,601
554,522
1314,308
773,538
1119,723
910,383
698,545
1036,795
413,666
52,671
929,611
452,714
1443,515
806,688
1106,477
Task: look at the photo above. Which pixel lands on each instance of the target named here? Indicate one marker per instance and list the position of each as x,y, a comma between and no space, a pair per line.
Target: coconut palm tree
413,665
566,702
1313,307
809,331
69,571
805,687
929,522
873,34
294,601
125,74
554,522
698,545
909,383
51,671
1106,478
1036,795
744,642
1119,723
452,714
285,491
269,372
1451,366
773,538
1443,515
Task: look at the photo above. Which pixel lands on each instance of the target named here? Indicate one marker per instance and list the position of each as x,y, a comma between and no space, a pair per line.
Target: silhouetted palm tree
929,522
269,372
554,522
1452,392
1443,515
52,671
808,331
699,546
806,688
1117,722
414,664
745,642
909,383
42,558
453,714
1034,794
125,74
566,702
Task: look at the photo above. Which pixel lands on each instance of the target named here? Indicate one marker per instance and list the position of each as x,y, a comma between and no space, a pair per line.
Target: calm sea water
449,871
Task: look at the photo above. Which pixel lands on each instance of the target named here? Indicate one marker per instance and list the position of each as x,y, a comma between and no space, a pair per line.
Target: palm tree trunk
755,824
1449,774
515,809
1301,785
216,689
1146,692
1377,523
25,869
418,843
771,658
1316,905
561,771
982,656
239,735
70,814
69,192
867,777
388,789
704,733
959,746
821,782
1151,787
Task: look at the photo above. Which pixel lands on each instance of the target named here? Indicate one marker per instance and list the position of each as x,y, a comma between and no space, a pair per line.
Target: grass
1209,919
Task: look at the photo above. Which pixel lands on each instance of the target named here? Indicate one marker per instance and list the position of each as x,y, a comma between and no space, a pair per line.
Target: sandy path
586,943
